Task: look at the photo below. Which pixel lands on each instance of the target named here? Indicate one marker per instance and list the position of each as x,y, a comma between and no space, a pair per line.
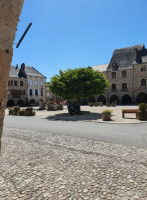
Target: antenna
23,35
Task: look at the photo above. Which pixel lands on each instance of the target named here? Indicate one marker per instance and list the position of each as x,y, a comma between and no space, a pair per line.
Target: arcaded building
25,86
127,74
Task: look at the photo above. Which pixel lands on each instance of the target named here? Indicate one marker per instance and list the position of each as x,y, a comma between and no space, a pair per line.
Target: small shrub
97,104
114,103
16,108
29,109
10,111
91,104
101,104
108,104
22,112
107,112
143,107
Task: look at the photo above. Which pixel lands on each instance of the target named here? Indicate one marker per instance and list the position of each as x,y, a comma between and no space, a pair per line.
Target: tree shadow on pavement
85,116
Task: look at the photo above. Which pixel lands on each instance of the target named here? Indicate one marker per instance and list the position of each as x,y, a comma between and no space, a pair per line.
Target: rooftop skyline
77,33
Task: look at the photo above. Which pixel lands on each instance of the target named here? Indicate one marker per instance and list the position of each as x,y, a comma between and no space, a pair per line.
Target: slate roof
14,70
100,68
32,71
125,57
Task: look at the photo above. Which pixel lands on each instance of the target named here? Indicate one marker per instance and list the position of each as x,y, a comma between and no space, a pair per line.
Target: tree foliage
78,83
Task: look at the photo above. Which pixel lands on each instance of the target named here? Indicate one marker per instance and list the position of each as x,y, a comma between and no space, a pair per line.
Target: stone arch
101,98
126,99
91,99
141,98
114,97
32,102
10,103
20,102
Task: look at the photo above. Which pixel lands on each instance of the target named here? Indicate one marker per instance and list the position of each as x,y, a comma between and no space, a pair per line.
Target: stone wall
9,16
18,87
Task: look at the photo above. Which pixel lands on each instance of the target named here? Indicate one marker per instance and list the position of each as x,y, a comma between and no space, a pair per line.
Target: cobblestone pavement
41,166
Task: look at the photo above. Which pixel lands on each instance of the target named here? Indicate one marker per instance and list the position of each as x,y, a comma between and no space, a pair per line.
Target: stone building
127,74
25,86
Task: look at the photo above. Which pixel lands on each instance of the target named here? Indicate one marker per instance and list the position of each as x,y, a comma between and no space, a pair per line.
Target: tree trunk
9,16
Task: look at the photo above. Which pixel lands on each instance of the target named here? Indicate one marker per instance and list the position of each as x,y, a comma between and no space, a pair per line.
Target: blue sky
77,33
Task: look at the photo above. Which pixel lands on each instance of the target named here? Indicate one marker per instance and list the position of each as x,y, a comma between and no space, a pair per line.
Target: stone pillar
9,16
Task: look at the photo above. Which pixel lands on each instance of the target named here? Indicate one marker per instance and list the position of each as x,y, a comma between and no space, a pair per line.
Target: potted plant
101,104
22,112
141,114
29,112
97,104
10,111
114,103
16,110
106,114
108,104
91,104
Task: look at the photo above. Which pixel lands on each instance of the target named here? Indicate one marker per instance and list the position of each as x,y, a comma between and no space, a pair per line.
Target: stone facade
127,75
26,86
9,17
17,91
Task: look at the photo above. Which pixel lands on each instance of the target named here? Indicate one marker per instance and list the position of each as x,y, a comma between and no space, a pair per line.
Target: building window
124,86
9,83
143,82
31,82
124,74
21,83
143,68
15,83
41,83
113,74
23,92
41,91
36,83
30,92
113,86
36,92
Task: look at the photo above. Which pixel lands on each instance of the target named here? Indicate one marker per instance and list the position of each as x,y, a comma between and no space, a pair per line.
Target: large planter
52,107
41,105
60,107
141,116
106,117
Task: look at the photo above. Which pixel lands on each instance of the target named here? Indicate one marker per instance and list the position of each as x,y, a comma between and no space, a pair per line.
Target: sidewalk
93,114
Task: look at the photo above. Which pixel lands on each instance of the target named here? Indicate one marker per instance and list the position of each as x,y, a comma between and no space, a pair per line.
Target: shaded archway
101,98
114,98
10,103
32,102
126,99
141,98
20,102
92,99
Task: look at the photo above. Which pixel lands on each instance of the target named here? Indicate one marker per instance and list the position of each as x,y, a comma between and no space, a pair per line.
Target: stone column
9,16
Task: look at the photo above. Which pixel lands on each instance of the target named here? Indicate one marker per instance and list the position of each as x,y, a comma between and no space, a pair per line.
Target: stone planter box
60,107
52,107
41,105
141,116
106,117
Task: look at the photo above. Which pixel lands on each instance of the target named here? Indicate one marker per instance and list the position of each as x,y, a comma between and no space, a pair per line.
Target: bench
128,111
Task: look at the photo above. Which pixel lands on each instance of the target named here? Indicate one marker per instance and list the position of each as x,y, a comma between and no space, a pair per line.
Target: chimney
135,54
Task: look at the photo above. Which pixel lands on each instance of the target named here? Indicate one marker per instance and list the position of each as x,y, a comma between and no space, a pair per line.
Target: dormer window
114,66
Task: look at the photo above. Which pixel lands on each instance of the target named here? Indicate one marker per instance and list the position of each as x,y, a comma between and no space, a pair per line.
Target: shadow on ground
85,115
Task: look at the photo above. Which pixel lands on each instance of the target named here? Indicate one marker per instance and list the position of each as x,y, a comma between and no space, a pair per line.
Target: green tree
78,83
